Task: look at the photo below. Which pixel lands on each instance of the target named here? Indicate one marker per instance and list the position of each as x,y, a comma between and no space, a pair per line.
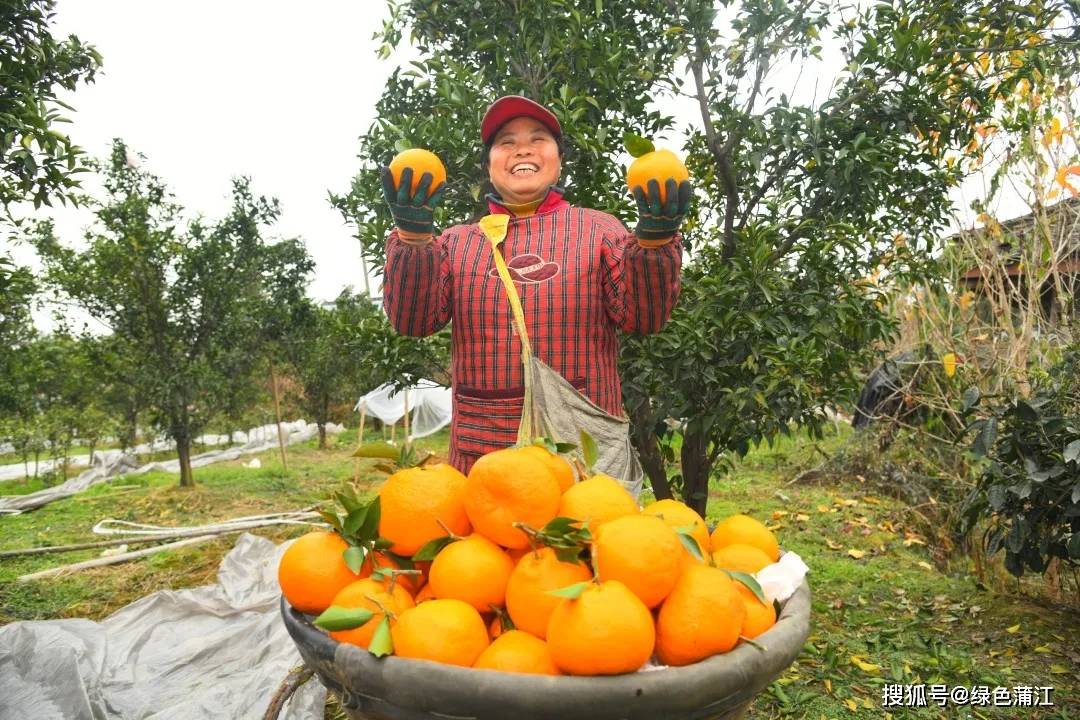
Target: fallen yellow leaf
1013,630
913,540
925,565
871,500
832,545
802,518
1058,669
777,514
828,686
823,508
857,554
865,666
851,705
1043,649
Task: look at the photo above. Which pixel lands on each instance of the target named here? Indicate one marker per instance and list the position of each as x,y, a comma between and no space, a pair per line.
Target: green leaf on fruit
332,518
572,592
336,618
381,642
589,451
354,558
431,549
750,583
691,544
637,145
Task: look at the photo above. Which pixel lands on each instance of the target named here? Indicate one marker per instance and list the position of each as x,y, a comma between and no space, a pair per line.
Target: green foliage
38,163
797,201
594,68
752,347
804,202
330,355
17,288
1029,489
187,309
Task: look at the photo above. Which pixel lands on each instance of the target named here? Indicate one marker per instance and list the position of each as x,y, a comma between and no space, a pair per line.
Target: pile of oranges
504,592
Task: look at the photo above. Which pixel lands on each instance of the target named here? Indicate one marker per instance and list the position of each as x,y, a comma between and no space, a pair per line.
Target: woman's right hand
414,212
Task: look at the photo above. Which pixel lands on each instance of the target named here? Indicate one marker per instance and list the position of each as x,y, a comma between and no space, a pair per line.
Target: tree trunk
644,440
277,415
93,443
695,471
183,451
131,430
322,436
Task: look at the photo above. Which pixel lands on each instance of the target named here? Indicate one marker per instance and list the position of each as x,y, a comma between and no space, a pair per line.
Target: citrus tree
178,300
800,201
38,162
334,355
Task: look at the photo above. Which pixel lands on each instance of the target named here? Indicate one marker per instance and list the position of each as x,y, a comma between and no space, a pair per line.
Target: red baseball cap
509,107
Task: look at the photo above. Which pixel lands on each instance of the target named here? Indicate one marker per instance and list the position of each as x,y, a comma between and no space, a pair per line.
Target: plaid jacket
582,278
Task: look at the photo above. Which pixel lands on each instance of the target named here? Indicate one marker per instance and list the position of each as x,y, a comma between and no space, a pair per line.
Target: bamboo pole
359,442
406,418
277,414
115,559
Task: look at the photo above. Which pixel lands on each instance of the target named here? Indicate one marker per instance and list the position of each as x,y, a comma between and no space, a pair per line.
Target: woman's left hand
658,218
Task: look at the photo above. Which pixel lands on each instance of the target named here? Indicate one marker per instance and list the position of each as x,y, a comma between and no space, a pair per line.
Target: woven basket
393,688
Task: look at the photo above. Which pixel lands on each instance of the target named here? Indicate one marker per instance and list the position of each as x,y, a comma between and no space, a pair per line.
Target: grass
883,612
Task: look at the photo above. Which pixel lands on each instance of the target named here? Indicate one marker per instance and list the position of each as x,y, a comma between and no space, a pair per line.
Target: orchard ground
883,611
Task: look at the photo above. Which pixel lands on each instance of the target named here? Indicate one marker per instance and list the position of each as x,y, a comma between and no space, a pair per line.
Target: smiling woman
579,275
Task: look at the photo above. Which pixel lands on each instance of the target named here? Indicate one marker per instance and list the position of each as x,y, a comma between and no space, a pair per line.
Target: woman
580,275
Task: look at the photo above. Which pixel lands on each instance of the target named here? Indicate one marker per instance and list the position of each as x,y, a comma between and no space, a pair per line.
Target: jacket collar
552,201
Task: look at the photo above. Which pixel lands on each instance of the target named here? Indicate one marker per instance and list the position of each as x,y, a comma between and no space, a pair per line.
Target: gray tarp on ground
218,651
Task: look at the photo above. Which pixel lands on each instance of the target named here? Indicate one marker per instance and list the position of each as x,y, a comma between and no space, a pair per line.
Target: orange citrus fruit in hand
474,570
605,631
679,515
657,165
447,631
642,553
416,500
313,571
421,161
371,595
702,616
743,558
510,486
527,594
596,500
517,651
759,616
747,531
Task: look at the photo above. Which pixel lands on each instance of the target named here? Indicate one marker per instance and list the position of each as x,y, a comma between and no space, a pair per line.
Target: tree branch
722,155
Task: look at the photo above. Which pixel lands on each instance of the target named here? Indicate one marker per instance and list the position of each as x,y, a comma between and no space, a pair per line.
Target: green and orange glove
414,212
660,217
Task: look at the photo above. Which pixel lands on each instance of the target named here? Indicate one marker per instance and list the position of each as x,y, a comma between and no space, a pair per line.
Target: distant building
1062,222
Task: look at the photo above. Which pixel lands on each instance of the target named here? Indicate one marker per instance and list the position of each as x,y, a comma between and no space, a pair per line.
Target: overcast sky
211,90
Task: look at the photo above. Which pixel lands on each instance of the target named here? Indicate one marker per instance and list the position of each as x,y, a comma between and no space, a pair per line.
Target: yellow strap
494,228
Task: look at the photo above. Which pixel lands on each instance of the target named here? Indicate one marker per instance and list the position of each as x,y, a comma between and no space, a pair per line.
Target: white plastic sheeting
14,471
218,651
429,406
115,464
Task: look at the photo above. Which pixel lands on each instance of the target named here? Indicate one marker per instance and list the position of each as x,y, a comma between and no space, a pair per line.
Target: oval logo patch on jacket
529,268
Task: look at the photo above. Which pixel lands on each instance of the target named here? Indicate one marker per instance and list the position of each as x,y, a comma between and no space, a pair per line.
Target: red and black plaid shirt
582,277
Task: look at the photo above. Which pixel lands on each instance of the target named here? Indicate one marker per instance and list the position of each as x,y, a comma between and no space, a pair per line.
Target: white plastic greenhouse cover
429,406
